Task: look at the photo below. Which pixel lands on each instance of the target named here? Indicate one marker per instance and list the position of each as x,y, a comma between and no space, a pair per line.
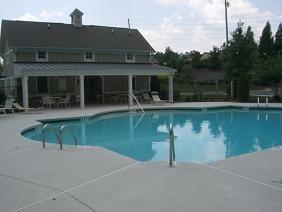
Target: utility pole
226,3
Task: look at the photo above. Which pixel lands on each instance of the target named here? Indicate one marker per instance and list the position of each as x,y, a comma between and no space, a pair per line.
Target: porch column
130,98
170,88
81,78
25,91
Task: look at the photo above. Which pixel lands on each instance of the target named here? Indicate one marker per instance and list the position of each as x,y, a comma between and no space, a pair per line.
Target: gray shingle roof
93,66
36,34
76,12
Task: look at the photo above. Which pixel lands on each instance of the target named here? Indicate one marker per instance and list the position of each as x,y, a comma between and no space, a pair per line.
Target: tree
214,60
266,43
240,57
195,59
170,59
278,40
271,72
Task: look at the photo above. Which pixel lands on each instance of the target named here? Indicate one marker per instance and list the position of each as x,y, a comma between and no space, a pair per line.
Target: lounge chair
156,98
8,106
24,109
146,98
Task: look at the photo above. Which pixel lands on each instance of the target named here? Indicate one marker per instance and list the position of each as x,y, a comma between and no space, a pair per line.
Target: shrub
155,83
243,87
195,97
188,99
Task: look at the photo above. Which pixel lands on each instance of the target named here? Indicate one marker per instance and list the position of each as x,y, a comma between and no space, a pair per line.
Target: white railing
134,97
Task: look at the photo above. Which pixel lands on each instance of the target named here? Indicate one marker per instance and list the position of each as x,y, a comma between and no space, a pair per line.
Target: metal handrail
43,134
139,120
171,147
137,102
61,135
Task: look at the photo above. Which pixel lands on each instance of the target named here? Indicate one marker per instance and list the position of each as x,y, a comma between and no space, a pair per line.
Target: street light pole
226,3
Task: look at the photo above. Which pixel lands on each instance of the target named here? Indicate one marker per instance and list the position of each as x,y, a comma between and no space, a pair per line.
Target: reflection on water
200,137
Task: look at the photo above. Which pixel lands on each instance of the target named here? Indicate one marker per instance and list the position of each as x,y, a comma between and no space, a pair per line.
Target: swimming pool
201,136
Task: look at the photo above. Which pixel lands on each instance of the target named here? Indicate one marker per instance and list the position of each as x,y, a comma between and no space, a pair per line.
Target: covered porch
88,83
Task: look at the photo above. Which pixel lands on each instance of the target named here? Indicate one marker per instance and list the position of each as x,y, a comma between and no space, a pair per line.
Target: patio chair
156,98
64,101
146,98
8,106
46,100
77,99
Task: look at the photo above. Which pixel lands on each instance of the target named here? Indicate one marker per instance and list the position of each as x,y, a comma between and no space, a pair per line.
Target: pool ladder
139,105
266,102
171,162
59,137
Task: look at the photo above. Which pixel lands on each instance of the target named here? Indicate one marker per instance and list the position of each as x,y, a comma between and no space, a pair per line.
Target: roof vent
76,18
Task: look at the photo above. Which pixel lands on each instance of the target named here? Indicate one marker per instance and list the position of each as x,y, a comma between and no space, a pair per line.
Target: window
42,56
130,58
89,56
42,85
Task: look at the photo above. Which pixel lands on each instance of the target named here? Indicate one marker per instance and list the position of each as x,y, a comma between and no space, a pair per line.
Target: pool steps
59,137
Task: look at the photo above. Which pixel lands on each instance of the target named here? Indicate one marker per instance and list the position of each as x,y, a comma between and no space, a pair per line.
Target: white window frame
130,61
89,60
42,59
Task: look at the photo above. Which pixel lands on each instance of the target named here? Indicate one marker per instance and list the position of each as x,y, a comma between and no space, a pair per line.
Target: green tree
195,57
278,40
271,72
214,60
240,57
266,43
170,59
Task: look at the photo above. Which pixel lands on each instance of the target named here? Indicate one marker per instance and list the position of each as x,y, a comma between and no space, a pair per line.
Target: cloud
42,16
28,17
206,20
50,14
162,36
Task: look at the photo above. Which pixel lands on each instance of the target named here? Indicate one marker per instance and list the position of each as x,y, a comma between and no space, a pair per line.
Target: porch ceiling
70,69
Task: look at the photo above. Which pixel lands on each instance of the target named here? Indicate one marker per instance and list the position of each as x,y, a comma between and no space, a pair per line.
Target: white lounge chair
24,109
146,98
156,98
8,106
47,101
64,101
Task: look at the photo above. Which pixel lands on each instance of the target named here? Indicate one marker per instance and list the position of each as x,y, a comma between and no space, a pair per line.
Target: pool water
200,136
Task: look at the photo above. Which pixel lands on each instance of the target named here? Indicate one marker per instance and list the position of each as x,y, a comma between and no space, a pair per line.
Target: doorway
93,89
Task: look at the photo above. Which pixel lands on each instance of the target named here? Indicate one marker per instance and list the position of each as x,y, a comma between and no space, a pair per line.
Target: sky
184,25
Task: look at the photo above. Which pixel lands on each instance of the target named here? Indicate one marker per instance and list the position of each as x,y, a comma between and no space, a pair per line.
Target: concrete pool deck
96,179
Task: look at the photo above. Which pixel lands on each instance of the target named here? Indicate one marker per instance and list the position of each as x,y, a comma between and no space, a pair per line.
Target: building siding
25,56
65,57
109,58
79,57
142,58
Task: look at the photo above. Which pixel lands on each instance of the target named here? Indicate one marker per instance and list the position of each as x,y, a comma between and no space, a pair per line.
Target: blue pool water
200,136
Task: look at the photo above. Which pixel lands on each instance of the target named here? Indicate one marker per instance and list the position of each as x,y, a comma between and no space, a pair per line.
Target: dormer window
89,57
130,58
42,56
